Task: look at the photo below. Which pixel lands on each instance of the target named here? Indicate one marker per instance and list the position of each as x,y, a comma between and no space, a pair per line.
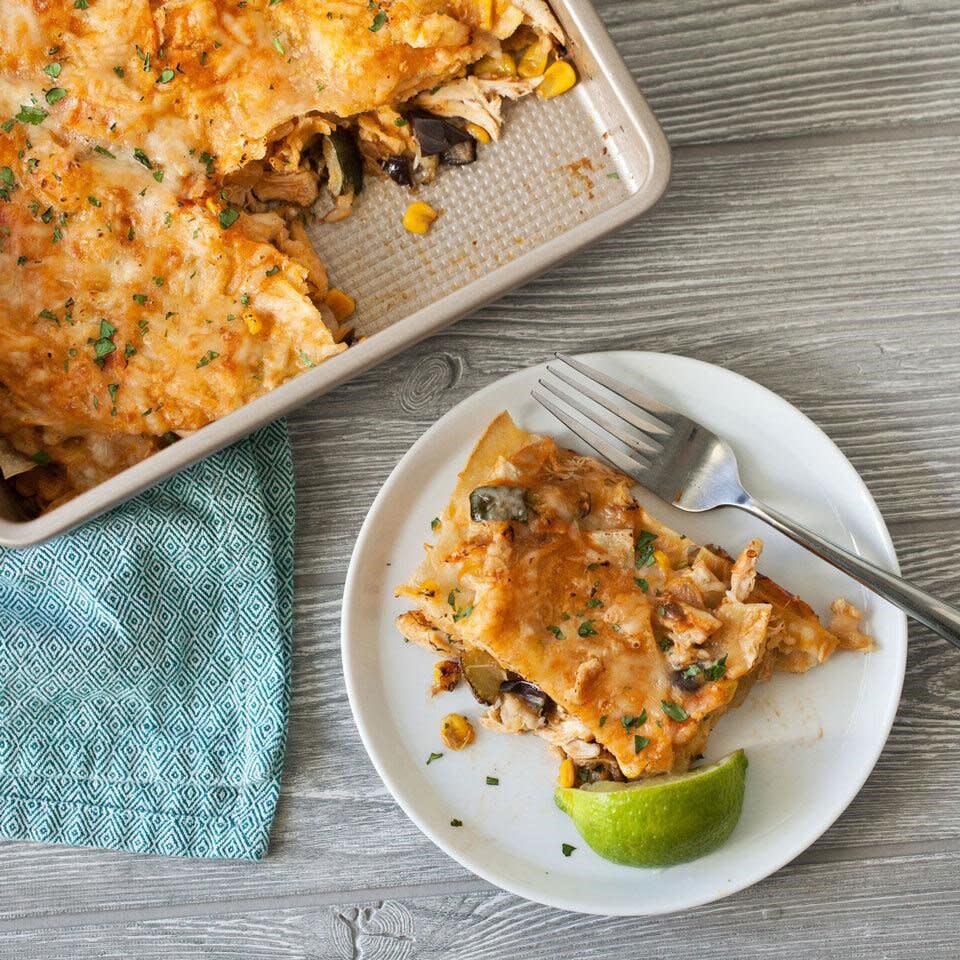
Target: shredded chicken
743,577
540,16
845,623
475,100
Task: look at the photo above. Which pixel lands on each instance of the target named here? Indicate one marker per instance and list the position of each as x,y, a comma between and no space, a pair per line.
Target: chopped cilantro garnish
208,357
32,115
586,629
306,361
278,45
52,70
158,176
54,94
639,720
567,848
555,630
21,260
48,315
6,176
716,670
493,781
462,614
639,743
641,583
400,122
432,757
456,823
166,76
141,157
93,201
103,348
158,281
644,548
378,21
594,602
228,217
41,457
435,524
602,720
275,269
119,71
104,152
140,298
674,711
80,4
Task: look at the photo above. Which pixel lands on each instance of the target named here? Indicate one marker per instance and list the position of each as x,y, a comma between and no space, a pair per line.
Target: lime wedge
662,820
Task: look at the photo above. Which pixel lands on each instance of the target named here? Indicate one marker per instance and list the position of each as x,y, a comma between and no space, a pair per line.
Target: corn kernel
254,324
456,731
533,63
341,304
662,561
419,217
568,774
212,206
559,78
486,14
501,67
446,676
477,132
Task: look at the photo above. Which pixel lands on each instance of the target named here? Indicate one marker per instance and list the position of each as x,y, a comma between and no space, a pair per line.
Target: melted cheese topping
128,309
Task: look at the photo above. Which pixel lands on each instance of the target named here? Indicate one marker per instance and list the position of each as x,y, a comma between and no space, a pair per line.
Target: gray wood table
810,241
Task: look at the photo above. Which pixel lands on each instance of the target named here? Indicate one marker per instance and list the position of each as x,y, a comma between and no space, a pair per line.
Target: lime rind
663,820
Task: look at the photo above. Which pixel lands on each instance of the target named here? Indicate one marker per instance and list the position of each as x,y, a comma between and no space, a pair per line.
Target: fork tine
617,409
628,464
636,445
652,408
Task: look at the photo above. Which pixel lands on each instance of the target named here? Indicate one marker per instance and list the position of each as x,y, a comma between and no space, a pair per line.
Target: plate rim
899,634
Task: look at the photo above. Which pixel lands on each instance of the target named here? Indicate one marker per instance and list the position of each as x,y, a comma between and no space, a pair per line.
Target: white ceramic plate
811,740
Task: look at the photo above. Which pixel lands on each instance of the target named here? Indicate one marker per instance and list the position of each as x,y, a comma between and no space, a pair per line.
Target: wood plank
827,272
732,71
338,830
846,909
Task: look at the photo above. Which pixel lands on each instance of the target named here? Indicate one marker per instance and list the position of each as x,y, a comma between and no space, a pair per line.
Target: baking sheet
565,172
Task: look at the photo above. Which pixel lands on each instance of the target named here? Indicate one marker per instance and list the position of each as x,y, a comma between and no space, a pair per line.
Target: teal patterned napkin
145,665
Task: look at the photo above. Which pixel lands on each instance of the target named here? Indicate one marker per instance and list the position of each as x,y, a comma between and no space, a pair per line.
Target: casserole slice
578,616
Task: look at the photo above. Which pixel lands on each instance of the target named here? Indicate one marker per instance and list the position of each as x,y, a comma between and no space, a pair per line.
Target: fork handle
937,615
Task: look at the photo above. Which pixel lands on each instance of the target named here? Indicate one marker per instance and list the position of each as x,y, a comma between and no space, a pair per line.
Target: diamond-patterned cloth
145,665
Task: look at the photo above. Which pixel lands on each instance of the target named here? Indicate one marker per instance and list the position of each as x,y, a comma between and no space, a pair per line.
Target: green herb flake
34,115
673,711
166,76
594,602
94,202
639,743
208,357
48,315
567,848
643,550
493,781
586,629
456,823
104,152
54,94
41,457
432,757
555,630
141,157
158,176
639,720
452,598
273,271
278,45
462,614
228,217
716,670
21,260
103,348
140,298
400,122
602,720
120,72
435,524
158,281
306,361
245,298
52,70
7,125
81,4
642,584
692,671
665,643
6,176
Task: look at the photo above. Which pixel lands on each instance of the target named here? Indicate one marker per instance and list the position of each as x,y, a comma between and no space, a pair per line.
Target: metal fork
689,466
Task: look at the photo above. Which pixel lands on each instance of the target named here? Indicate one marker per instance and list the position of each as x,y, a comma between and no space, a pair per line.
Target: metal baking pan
566,172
